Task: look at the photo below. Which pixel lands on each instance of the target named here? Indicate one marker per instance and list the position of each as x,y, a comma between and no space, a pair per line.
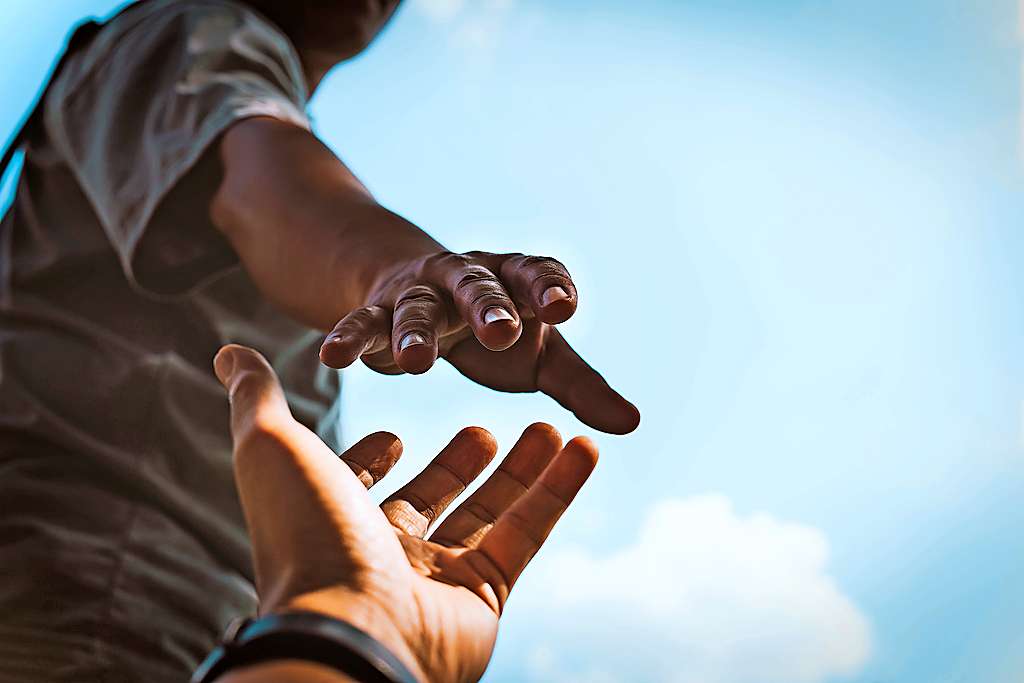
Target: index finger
302,506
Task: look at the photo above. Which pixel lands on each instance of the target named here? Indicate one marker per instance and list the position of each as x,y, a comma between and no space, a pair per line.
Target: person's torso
124,380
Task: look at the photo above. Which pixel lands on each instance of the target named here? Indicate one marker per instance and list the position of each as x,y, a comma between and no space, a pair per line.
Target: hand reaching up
320,544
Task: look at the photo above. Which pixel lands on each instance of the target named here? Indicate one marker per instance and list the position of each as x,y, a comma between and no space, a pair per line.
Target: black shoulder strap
82,34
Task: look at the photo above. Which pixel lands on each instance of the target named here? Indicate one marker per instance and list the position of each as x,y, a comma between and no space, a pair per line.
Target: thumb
567,378
253,389
303,508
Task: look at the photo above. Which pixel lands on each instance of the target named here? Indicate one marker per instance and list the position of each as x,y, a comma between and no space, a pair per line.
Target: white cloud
703,595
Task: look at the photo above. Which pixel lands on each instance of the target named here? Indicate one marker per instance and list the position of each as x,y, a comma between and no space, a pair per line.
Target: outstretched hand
492,316
320,544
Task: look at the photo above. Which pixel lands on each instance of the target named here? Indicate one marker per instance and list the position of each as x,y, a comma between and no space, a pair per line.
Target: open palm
319,543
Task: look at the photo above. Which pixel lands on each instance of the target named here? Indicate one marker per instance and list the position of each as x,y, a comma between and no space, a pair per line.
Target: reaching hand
320,544
492,317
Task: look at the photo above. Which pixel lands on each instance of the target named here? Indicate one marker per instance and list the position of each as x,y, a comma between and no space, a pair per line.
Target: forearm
309,234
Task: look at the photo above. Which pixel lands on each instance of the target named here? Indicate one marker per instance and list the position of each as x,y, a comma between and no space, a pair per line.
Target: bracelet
308,636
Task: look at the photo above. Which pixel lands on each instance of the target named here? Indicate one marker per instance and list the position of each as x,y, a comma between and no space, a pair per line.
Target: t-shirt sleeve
134,114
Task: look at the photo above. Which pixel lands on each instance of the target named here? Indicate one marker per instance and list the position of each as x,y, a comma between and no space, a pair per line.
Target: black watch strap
309,636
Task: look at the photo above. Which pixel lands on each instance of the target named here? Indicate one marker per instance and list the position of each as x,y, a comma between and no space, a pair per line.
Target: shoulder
150,12
154,33
183,40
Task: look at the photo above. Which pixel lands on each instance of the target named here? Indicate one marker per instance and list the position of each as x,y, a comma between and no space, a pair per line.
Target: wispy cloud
441,10
475,25
703,595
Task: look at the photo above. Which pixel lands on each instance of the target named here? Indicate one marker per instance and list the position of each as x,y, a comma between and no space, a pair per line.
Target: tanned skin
319,542
319,246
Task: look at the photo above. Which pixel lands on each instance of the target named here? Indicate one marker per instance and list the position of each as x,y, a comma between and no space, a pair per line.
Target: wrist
362,612
401,248
286,671
303,644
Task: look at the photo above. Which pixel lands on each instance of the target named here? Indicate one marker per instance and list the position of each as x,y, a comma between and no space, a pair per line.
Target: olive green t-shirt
122,543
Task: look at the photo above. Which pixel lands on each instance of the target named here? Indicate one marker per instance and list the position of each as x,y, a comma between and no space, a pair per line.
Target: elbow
228,211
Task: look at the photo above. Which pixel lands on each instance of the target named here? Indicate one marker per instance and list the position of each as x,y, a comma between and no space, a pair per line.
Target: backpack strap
82,34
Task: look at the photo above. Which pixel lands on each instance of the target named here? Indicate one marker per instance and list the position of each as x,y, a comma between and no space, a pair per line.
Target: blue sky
795,230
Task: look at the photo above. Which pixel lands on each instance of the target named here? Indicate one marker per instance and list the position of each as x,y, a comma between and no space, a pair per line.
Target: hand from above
492,316
320,544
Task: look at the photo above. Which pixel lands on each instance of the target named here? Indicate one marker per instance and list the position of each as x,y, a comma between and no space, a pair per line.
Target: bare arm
305,228
317,245
431,594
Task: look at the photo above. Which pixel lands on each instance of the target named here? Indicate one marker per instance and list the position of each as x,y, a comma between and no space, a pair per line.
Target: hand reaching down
492,316
320,544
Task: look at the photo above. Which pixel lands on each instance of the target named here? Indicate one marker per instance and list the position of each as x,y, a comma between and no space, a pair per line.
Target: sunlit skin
318,245
319,543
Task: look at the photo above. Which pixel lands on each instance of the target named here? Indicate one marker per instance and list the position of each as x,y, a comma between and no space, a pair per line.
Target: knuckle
529,271
535,261
418,323
481,512
542,263
525,527
418,295
361,317
444,261
475,277
547,268
489,298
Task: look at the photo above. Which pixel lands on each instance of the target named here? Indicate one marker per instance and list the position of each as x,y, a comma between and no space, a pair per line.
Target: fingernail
553,294
496,313
411,339
224,366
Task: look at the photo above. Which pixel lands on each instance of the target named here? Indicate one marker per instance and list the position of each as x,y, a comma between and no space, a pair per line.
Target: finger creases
363,331
543,284
467,524
415,506
419,318
479,297
373,456
521,530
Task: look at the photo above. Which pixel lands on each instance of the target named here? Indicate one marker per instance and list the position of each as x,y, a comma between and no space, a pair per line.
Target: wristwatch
308,636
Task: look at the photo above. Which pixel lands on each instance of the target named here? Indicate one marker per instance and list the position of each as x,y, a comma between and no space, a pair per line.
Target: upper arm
137,116
273,172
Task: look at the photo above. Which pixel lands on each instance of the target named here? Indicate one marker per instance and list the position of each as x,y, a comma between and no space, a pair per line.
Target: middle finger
479,297
415,506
